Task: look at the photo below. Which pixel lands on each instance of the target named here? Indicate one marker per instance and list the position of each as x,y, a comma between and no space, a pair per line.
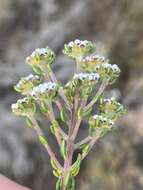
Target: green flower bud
111,107
90,63
26,84
77,49
108,71
84,80
45,91
40,59
23,107
99,125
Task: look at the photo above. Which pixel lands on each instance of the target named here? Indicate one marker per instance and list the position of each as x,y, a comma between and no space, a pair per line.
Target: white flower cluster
40,52
108,66
87,76
109,100
23,107
112,101
23,100
30,78
103,120
14,106
78,43
19,103
94,58
43,88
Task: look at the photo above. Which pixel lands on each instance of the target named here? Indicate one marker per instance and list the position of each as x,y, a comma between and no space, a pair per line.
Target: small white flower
77,41
22,100
107,66
115,68
41,51
87,76
14,106
42,88
70,44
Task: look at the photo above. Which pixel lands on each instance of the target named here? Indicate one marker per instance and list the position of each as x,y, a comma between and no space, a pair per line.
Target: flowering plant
75,101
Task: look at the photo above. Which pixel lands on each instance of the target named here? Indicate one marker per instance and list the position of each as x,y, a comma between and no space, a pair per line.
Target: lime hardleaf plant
76,101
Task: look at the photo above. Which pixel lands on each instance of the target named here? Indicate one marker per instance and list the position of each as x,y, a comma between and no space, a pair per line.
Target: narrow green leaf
79,112
54,165
62,115
76,166
59,184
63,149
42,140
72,186
29,122
56,173
85,150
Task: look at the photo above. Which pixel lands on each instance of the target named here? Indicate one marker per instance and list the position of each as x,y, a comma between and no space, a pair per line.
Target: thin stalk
78,122
61,91
82,142
47,146
58,130
98,94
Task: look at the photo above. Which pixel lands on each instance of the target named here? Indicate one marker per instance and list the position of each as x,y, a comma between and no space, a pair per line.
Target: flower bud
26,84
23,107
86,77
82,81
111,107
77,49
40,59
45,91
108,71
99,125
89,63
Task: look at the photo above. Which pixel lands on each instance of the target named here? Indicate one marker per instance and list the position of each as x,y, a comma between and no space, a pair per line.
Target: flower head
26,84
23,107
77,49
86,77
100,125
108,71
111,107
40,59
89,63
44,91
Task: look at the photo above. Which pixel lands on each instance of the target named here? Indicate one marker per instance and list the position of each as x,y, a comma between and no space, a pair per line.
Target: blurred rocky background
117,29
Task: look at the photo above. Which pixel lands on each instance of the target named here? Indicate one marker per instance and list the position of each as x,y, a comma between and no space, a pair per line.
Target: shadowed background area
117,29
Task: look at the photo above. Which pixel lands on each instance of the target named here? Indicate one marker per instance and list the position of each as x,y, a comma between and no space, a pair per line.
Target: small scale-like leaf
85,150
76,166
59,184
29,122
62,115
56,173
72,185
44,107
79,112
42,140
63,149
54,165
